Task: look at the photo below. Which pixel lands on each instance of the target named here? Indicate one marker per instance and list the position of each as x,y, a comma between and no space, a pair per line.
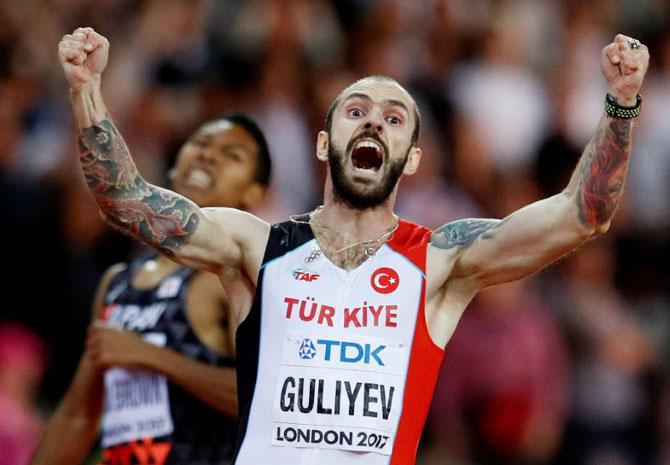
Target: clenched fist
624,63
83,55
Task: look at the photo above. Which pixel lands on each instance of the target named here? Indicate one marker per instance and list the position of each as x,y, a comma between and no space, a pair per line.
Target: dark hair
264,166
338,99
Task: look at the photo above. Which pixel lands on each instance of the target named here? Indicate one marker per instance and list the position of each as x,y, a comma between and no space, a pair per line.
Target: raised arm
494,251
168,222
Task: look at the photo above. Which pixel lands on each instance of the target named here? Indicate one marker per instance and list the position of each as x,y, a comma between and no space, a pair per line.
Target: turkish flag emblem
385,280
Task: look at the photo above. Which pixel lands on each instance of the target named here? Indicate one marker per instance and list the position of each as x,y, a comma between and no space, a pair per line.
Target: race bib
137,404
340,394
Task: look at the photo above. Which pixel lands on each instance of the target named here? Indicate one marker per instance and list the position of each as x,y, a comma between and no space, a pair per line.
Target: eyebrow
228,145
241,146
390,102
397,103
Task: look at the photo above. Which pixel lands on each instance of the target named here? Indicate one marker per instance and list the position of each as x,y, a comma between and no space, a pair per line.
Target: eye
234,155
355,113
394,120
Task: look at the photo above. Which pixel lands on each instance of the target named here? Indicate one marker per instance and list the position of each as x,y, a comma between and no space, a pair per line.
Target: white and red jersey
336,366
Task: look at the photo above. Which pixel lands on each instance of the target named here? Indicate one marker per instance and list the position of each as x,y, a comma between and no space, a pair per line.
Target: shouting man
352,306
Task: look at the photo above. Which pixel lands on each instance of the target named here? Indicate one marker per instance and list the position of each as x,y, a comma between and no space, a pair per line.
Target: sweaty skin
463,257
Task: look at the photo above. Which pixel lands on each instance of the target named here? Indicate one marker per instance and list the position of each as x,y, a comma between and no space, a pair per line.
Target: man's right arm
168,222
73,428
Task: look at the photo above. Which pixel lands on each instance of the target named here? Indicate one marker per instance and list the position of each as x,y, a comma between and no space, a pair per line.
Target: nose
206,156
375,123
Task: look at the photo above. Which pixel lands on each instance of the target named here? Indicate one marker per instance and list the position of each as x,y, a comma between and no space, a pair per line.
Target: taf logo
385,280
307,351
351,352
302,274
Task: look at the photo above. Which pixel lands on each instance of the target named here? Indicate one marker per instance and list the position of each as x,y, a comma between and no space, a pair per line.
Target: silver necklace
369,244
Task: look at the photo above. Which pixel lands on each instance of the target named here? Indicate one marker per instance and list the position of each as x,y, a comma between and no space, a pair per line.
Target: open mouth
367,155
199,178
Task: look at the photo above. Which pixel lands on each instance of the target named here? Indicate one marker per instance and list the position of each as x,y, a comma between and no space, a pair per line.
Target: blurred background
568,367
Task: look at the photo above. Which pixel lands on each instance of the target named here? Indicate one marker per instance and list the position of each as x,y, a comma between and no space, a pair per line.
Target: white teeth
367,143
199,178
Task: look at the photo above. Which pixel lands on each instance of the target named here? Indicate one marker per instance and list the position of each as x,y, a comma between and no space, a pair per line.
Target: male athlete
158,362
352,307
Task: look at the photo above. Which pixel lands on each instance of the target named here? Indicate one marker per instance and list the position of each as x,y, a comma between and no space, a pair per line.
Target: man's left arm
215,386
496,251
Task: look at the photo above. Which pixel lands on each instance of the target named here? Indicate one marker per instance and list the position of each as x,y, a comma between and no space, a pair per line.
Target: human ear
322,146
413,159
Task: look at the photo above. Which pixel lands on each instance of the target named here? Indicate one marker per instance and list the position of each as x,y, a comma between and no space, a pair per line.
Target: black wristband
613,109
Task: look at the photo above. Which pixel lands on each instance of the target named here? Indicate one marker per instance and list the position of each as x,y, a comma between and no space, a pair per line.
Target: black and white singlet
336,367
147,419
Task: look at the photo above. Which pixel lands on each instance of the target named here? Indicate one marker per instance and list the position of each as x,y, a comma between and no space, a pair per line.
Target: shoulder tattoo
462,232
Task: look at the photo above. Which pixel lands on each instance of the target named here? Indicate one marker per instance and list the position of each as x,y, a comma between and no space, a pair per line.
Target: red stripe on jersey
411,240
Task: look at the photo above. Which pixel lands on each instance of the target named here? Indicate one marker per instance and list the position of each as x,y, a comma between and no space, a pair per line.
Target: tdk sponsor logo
343,351
307,350
302,274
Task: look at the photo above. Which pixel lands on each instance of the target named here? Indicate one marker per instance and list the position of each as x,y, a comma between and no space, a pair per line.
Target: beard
352,194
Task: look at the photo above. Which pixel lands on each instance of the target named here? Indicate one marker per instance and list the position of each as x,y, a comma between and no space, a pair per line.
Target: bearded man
350,306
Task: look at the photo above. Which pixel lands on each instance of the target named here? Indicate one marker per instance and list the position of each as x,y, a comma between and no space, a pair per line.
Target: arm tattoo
158,217
603,172
463,232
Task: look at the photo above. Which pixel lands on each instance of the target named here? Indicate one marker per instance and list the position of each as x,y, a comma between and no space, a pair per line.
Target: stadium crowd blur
568,367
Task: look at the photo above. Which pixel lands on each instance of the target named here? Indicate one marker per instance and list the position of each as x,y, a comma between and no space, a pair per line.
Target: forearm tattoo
603,172
158,217
462,233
